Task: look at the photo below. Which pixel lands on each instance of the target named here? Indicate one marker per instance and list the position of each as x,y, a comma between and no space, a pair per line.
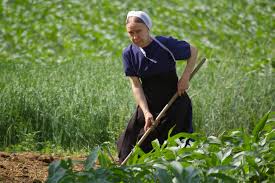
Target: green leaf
252,164
214,140
137,153
191,175
269,126
56,172
223,177
66,164
235,133
53,167
170,131
163,176
224,154
246,141
169,155
271,135
270,123
91,160
104,160
218,169
259,127
239,158
68,179
176,168
156,145
145,157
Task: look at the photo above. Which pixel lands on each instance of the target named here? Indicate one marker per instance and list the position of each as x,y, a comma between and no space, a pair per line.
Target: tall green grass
61,75
69,104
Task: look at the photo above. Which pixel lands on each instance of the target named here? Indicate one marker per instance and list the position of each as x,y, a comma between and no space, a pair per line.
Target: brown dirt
26,167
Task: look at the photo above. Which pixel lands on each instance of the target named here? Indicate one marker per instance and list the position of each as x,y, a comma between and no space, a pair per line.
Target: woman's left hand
183,85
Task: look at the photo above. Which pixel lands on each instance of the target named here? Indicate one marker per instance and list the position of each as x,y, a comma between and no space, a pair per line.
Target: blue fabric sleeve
180,49
128,67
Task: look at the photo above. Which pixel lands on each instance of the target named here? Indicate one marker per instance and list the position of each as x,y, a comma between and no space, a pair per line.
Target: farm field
29,166
62,86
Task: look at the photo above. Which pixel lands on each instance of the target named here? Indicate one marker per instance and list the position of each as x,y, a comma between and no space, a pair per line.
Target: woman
149,63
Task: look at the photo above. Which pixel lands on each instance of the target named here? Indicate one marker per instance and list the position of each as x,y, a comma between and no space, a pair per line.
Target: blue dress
155,67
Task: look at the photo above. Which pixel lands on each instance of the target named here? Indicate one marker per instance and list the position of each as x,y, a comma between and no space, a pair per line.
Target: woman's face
138,33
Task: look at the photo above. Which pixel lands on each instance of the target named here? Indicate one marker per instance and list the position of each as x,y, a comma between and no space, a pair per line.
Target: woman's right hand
148,120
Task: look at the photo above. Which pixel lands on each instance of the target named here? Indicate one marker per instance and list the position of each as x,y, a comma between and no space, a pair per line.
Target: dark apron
158,90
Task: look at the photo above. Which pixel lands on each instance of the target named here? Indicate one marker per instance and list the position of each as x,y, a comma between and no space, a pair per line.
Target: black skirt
158,90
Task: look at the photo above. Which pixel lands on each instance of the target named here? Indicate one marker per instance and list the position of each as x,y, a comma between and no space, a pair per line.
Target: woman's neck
148,42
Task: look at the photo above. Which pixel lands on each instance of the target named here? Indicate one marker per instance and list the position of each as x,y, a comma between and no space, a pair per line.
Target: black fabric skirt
158,90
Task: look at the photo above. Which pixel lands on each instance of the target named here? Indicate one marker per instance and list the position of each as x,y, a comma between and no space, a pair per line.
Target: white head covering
142,15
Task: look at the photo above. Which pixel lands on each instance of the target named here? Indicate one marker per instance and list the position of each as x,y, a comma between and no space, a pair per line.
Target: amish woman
150,64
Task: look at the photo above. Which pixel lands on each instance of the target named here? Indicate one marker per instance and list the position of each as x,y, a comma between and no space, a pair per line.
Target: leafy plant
234,156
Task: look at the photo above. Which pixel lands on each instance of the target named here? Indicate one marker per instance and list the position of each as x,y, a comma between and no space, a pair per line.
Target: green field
61,76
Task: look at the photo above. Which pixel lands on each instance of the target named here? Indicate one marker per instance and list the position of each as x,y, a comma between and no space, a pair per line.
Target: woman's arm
183,83
141,101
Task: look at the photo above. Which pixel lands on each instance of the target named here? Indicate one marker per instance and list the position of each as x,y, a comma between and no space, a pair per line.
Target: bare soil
26,167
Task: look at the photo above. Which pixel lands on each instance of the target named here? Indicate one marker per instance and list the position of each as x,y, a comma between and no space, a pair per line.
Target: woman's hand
148,120
183,85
